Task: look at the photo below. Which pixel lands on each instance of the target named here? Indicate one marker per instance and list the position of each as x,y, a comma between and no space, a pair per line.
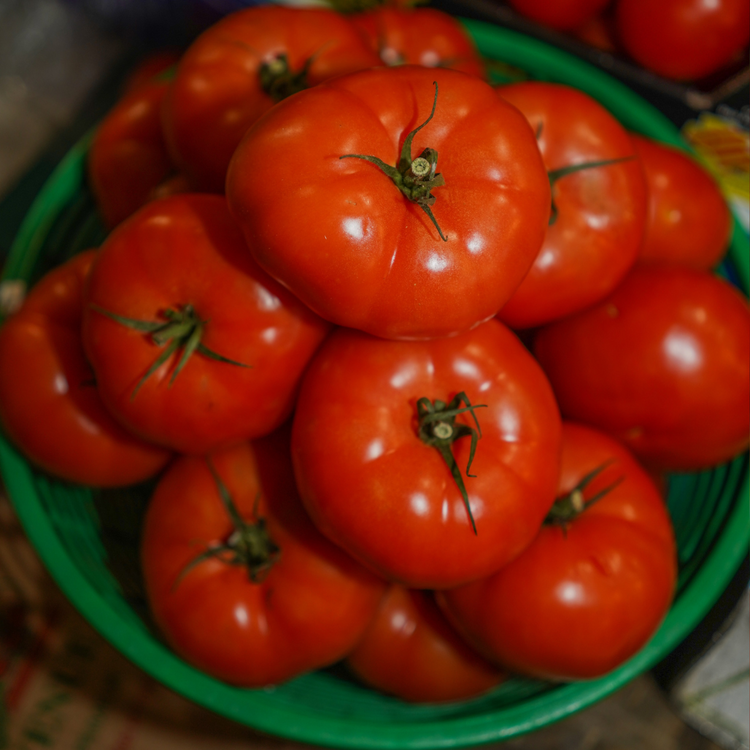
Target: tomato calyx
568,507
415,178
182,329
437,428
279,81
249,545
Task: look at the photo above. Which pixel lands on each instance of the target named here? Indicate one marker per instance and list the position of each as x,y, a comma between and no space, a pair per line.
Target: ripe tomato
410,651
683,39
589,591
349,243
239,67
369,465
420,36
157,64
128,157
287,603
688,219
597,223
181,263
49,405
663,364
563,15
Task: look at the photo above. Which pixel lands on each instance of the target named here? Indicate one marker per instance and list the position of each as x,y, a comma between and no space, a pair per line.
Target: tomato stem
558,174
568,507
249,545
279,81
437,428
415,178
182,329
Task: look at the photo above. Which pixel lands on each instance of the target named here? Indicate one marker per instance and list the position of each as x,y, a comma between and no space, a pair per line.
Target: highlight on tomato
239,68
431,462
409,650
413,200
239,581
193,346
598,208
688,220
49,405
593,586
662,364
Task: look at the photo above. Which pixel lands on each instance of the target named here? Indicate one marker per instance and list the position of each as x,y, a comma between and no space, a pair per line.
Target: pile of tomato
407,354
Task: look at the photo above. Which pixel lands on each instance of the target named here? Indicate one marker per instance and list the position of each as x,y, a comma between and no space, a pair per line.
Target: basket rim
268,714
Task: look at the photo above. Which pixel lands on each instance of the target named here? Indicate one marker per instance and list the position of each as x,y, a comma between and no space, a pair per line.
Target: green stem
437,427
249,545
415,178
183,329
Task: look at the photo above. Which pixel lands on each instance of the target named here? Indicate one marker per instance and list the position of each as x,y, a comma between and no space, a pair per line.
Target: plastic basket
89,539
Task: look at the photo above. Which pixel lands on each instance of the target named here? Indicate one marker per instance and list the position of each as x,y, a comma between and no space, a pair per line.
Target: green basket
89,539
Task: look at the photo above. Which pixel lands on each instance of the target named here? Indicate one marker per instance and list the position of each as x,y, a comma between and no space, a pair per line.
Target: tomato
239,67
688,219
288,603
349,243
594,585
683,39
373,470
563,15
598,211
663,364
181,264
128,157
49,406
410,651
420,36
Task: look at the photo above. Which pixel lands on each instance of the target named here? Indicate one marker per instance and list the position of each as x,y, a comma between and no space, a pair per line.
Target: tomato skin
563,15
662,364
410,651
128,157
683,39
344,239
49,406
216,94
688,219
389,499
601,211
577,603
308,612
182,250
419,36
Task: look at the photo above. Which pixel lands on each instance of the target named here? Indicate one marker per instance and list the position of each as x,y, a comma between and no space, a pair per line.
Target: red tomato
589,591
683,39
597,223
49,405
410,651
663,364
128,157
184,257
688,219
371,472
293,604
420,36
563,15
349,243
239,68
